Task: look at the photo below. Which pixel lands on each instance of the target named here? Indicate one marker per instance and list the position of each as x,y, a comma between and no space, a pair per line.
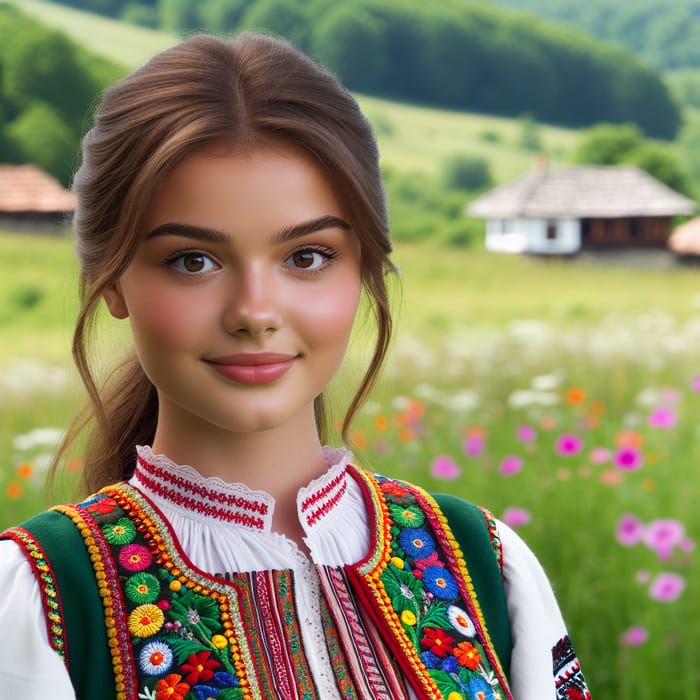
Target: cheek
333,316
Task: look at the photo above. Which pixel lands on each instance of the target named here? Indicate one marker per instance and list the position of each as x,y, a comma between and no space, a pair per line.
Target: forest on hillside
41,121
665,34
455,54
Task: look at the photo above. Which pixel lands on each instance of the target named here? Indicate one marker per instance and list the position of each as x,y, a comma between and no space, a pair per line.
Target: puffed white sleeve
29,668
543,663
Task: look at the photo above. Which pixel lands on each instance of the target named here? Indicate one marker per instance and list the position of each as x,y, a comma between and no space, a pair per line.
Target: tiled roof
600,191
685,240
27,188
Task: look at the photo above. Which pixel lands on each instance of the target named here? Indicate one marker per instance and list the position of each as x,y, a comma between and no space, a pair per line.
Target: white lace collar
187,491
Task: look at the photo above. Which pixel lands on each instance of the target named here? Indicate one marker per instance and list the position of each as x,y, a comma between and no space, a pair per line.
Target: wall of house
537,236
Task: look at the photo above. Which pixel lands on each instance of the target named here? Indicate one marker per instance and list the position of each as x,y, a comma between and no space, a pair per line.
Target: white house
559,212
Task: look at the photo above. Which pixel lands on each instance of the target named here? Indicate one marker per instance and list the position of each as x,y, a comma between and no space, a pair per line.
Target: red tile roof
27,188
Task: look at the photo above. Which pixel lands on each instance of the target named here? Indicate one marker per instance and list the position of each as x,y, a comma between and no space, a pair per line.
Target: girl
230,207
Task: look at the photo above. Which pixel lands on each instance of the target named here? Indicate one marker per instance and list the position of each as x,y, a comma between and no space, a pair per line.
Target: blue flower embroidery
440,582
416,542
430,660
479,688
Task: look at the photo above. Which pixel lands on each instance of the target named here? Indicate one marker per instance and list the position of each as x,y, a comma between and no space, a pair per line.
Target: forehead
266,186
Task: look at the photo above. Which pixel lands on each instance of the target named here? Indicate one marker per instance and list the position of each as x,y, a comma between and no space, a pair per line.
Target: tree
39,135
286,18
658,161
466,172
607,144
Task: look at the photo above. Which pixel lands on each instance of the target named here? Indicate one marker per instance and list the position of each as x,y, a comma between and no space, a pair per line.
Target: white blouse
225,528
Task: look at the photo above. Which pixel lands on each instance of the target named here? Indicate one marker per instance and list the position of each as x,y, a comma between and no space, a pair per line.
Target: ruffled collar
187,491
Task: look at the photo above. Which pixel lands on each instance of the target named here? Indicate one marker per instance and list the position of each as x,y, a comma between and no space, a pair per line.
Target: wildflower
25,470
381,423
38,437
628,458
467,655
662,535
695,384
359,439
548,423
444,467
511,465
629,530
642,576
600,455
611,477
516,517
74,465
406,434
568,444
663,417
629,438
597,408
666,587
14,490
474,444
170,688
634,636
575,396
526,433
437,642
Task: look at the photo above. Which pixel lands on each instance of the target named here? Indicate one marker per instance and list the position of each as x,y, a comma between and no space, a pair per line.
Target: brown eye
194,262
304,259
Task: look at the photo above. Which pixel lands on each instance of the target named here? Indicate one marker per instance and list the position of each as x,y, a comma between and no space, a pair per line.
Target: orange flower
476,431
575,396
406,435
25,470
610,477
648,485
467,655
170,688
359,439
415,409
381,423
629,438
14,490
597,408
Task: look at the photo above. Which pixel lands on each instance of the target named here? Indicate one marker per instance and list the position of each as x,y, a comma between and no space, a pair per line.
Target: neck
279,461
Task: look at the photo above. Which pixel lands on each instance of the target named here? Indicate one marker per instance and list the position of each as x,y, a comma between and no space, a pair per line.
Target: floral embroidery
569,681
427,599
156,658
146,620
142,588
135,557
170,688
199,667
121,532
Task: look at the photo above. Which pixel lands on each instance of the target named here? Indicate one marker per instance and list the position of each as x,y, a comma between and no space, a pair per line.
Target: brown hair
203,90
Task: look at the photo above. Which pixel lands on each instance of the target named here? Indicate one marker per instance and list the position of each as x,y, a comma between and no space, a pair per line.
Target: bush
467,173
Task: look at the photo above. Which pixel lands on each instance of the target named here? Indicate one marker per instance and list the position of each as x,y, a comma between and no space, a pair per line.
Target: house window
552,230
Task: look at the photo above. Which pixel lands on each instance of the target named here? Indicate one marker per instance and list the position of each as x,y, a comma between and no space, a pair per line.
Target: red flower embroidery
437,642
104,505
170,688
468,655
135,557
393,488
199,667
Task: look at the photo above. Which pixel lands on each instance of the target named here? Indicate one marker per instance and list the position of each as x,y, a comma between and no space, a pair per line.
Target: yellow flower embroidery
145,620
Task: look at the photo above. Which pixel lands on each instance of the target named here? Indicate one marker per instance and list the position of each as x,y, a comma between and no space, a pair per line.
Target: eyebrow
210,235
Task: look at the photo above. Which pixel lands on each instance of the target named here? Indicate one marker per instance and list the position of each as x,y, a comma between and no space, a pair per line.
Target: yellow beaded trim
133,502
371,571
118,652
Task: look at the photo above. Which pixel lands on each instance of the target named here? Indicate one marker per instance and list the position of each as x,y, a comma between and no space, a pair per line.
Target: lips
253,368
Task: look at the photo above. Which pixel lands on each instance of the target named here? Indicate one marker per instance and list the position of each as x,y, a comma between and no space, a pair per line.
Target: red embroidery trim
199,507
318,495
186,485
328,506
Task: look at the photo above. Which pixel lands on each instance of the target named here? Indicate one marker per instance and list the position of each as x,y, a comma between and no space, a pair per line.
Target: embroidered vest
154,627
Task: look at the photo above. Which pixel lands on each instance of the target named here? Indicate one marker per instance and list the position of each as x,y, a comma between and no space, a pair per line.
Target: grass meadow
563,396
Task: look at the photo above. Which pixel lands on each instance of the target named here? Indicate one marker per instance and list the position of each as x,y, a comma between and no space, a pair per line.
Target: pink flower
515,517
135,557
695,384
600,455
634,636
382,447
666,587
526,433
511,465
642,576
628,458
444,467
662,535
630,530
568,445
474,445
663,417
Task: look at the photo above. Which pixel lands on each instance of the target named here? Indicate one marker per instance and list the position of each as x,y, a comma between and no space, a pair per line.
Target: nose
254,303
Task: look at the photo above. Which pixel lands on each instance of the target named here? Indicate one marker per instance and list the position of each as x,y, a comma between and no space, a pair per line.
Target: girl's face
243,293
